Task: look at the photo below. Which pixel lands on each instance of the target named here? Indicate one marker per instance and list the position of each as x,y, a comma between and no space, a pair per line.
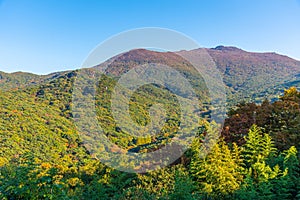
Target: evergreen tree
258,146
218,175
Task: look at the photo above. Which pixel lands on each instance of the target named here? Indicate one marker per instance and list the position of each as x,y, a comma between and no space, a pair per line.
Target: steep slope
29,126
248,76
141,57
254,76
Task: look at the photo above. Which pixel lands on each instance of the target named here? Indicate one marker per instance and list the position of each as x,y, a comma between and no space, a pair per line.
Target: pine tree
292,178
183,187
258,146
265,180
218,175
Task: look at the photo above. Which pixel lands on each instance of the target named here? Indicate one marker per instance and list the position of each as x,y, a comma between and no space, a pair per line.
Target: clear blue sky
43,36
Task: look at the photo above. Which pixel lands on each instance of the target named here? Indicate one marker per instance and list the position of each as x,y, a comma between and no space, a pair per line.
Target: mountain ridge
246,75
219,48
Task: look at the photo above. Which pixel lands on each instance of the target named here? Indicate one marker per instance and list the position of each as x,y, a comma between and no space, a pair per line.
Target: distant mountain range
248,76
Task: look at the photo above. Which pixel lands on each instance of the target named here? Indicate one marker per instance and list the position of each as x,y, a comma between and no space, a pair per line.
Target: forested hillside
40,162
255,76
42,155
22,79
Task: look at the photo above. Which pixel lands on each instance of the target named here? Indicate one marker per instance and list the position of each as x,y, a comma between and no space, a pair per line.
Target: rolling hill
23,79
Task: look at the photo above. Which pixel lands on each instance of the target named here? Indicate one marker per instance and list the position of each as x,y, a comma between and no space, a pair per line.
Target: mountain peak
226,48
